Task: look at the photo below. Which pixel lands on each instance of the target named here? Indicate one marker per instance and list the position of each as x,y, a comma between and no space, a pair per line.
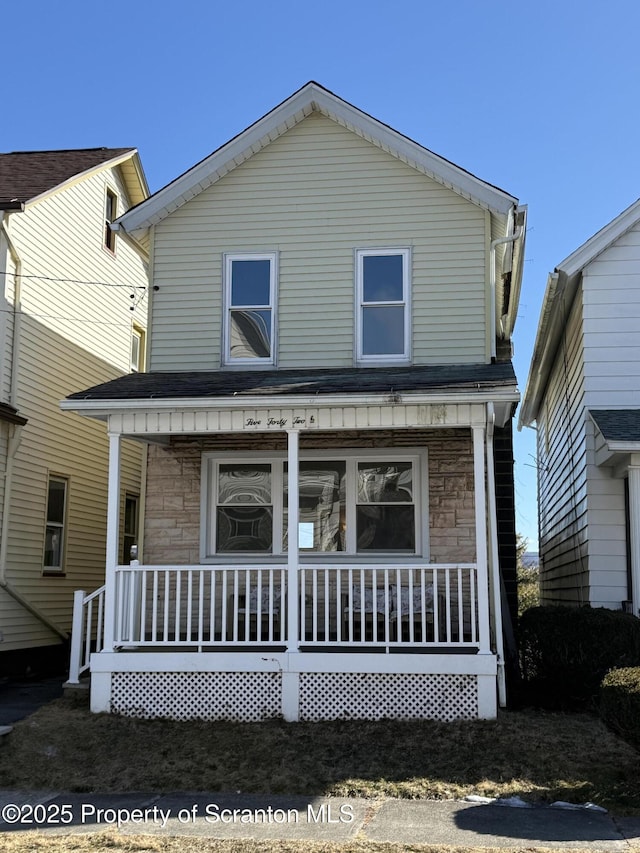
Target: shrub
566,652
620,703
528,588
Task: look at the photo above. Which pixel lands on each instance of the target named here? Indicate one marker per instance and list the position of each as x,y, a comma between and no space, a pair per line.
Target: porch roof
272,383
618,424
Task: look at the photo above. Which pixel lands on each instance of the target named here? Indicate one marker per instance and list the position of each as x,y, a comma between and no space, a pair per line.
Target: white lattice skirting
373,696
253,696
240,696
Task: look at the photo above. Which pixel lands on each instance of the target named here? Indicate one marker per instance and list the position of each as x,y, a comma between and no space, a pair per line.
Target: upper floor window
250,294
383,318
137,349
55,524
110,214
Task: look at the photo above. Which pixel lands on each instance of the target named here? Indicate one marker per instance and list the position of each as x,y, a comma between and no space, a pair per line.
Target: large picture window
358,503
250,286
383,317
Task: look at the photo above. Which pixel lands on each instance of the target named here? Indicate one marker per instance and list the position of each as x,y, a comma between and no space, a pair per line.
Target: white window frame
228,260
61,526
109,236
388,358
137,333
209,490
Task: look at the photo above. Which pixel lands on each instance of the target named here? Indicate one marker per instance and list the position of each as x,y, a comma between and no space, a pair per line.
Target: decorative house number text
279,423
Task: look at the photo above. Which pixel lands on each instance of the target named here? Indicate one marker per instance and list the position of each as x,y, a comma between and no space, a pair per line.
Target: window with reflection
322,507
244,519
250,289
350,503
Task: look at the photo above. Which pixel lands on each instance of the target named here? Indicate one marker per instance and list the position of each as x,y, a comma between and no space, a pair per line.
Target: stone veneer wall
172,517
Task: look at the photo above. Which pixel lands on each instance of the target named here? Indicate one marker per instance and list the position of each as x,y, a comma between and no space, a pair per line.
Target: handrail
85,635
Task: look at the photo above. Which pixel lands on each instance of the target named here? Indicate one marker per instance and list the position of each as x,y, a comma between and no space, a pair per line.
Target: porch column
634,531
293,554
480,499
113,535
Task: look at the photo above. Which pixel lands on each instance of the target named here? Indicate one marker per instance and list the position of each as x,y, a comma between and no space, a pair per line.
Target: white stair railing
87,633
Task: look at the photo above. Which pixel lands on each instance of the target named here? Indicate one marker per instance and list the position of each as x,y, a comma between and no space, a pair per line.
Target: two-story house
583,394
68,285
329,490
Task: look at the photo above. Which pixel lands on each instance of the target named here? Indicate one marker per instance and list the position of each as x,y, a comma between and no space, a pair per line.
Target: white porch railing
434,605
87,634
426,606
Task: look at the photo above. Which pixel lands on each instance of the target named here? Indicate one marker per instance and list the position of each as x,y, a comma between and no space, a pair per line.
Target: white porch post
480,498
113,531
291,679
634,529
293,555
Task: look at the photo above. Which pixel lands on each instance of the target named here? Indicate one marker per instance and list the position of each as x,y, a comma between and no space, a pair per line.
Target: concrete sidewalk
269,817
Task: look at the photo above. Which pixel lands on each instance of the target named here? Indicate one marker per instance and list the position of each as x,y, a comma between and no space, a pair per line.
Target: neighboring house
331,314
69,285
583,394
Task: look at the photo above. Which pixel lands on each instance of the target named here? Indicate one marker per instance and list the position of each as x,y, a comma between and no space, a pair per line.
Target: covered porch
304,632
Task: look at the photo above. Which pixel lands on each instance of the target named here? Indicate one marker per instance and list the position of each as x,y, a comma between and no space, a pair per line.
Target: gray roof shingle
618,424
219,383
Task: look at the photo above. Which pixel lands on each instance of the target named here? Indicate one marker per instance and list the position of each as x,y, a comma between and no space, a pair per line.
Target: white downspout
14,443
493,557
510,238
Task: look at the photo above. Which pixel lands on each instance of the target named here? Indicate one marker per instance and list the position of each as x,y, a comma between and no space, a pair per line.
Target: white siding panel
562,474
314,196
612,324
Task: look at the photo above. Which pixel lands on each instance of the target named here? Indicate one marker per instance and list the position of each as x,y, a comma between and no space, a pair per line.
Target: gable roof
311,98
28,176
562,286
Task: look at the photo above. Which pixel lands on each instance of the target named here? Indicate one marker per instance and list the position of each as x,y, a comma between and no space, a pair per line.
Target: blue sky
540,98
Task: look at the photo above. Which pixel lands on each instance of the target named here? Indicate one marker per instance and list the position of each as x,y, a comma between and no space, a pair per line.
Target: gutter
14,442
510,238
107,406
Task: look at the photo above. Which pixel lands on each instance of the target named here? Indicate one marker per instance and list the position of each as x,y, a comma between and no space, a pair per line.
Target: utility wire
76,281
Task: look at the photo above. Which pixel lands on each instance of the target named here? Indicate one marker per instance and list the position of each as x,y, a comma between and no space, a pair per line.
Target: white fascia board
550,328
308,99
600,241
96,409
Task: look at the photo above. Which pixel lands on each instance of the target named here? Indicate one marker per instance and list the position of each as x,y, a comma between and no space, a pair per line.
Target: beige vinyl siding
73,335
65,268
562,485
315,195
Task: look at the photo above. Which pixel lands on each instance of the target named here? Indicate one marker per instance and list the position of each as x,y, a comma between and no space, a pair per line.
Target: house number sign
275,423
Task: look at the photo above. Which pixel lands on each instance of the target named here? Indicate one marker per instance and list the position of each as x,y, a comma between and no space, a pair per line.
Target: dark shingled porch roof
233,383
618,424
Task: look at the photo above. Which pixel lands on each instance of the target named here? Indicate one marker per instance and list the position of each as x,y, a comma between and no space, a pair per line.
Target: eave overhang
391,404
562,286
311,98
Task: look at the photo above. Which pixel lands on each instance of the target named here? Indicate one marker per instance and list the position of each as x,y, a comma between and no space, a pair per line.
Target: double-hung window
55,524
250,298
355,503
383,305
